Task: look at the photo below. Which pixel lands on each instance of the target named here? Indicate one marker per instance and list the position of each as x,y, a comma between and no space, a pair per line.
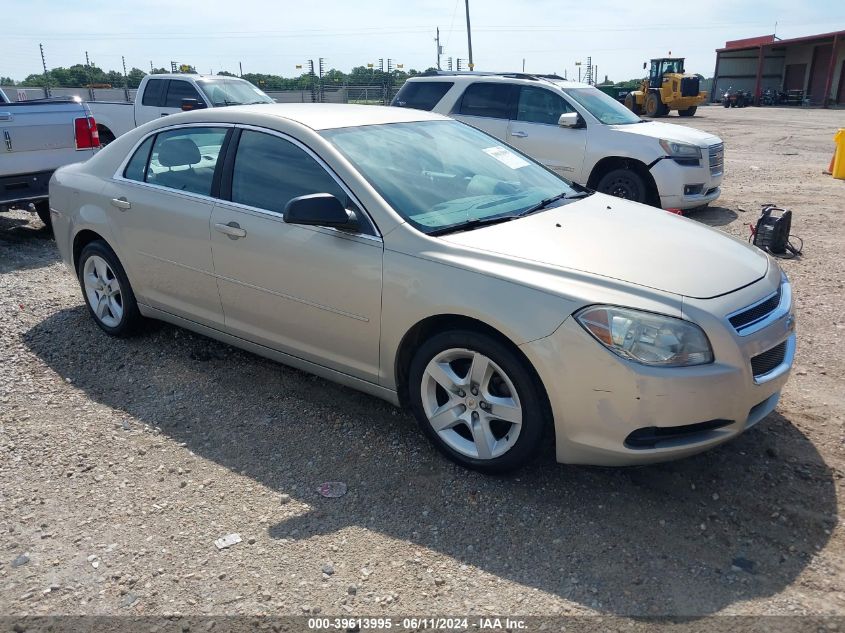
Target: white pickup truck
161,95
36,138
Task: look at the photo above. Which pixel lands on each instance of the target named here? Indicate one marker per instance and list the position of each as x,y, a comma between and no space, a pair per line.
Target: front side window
441,175
179,90
606,109
492,100
270,171
421,95
538,105
185,159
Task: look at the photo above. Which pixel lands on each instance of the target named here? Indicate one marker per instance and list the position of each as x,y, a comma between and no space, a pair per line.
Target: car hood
670,132
625,241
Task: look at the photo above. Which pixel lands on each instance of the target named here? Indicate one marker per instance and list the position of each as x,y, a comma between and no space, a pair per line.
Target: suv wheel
477,402
623,183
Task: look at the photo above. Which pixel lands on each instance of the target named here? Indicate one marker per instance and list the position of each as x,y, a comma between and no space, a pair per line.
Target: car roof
521,78
317,116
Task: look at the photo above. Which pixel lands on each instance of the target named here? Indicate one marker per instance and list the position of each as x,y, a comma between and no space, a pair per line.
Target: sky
273,37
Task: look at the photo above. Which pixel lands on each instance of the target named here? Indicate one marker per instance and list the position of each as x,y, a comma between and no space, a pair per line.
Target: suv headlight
684,151
647,338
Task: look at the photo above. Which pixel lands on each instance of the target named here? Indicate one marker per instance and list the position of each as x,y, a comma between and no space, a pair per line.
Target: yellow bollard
838,170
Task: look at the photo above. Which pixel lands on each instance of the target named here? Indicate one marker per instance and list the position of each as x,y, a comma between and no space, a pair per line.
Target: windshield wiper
548,201
472,224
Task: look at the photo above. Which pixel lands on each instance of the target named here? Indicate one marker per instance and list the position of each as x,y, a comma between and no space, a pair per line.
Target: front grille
717,159
756,312
689,87
768,360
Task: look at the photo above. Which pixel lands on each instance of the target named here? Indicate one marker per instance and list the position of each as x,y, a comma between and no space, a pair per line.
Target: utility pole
449,63
469,38
151,67
125,79
90,81
46,77
439,48
523,64
241,66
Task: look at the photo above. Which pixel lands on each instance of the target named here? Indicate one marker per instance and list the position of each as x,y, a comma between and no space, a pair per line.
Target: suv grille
755,312
717,159
768,360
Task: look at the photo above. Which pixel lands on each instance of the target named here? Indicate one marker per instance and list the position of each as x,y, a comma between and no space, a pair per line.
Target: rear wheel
476,400
688,112
106,290
42,208
623,183
106,135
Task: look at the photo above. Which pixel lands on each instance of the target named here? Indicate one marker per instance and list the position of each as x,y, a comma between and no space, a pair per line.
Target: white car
420,260
580,133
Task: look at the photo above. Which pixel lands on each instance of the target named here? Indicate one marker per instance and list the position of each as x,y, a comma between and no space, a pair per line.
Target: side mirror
569,119
320,209
189,104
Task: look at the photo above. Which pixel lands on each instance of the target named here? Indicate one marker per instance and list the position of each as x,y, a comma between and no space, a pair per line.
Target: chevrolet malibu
420,260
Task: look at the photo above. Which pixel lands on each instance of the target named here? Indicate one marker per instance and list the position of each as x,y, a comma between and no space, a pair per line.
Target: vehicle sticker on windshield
506,157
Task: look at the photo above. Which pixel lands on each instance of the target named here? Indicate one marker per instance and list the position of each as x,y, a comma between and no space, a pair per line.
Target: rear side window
152,93
491,100
137,166
185,159
179,90
422,95
269,171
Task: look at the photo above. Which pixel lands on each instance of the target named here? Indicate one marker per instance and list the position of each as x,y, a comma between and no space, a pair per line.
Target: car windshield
443,175
232,91
606,109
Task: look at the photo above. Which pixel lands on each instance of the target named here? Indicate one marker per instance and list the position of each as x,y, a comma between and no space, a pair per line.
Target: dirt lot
122,461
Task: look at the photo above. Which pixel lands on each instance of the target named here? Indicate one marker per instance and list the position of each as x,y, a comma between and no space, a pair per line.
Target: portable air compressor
771,232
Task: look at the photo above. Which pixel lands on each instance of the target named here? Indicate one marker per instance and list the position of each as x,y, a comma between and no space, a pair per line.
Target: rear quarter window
421,95
492,100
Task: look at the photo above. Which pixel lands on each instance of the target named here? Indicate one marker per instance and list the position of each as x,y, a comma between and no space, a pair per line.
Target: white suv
580,133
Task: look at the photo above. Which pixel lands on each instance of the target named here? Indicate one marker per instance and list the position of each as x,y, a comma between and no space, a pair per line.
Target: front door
311,292
536,132
160,208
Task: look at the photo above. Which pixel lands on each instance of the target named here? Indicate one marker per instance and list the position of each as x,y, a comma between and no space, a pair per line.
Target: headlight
643,337
680,150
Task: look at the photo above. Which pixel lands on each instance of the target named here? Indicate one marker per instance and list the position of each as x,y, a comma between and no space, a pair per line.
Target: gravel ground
121,462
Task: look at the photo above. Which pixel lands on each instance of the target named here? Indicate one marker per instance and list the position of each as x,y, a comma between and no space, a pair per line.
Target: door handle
121,203
232,230
519,134
164,113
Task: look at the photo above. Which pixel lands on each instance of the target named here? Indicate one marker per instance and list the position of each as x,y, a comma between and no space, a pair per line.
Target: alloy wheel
102,290
471,403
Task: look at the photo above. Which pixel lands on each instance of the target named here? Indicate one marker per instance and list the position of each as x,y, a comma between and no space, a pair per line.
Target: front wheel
477,401
623,183
106,290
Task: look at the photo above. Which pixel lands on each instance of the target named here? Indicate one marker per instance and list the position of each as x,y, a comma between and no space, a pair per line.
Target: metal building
813,65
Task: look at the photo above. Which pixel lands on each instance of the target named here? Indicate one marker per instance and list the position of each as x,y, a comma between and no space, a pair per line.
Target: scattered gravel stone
328,569
22,559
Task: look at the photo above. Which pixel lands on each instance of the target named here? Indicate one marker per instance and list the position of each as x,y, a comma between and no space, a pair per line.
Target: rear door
488,106
536,132
152,98
311,292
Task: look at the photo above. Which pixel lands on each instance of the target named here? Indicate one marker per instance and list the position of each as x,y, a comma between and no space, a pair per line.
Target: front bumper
599,400
683,186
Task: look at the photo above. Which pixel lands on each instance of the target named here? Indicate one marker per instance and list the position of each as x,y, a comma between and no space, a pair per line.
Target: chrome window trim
778,313
119,177
780,370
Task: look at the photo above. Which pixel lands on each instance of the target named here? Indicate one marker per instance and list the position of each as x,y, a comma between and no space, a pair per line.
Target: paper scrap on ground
227,541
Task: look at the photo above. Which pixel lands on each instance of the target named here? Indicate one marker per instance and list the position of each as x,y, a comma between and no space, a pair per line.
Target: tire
652,105
726,103
106,136
471,435
623,183
99,270
688,112
42,208
631,104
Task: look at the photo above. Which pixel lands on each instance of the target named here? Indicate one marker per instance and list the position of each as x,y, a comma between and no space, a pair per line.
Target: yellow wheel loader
666,88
